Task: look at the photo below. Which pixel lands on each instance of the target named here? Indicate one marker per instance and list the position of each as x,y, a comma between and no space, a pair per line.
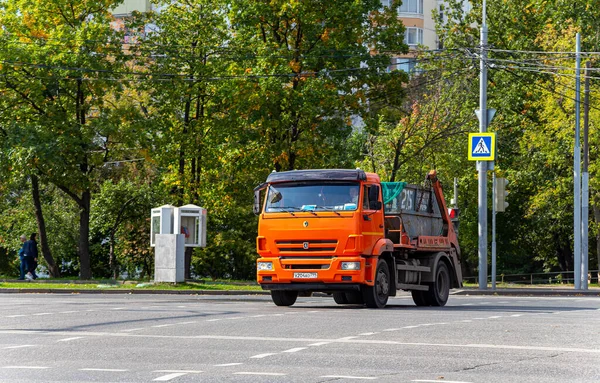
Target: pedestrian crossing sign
482,146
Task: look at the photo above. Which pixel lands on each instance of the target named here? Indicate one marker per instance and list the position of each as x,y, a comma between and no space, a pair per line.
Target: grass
133,285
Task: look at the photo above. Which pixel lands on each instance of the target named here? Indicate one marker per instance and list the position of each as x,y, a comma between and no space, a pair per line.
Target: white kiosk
170,243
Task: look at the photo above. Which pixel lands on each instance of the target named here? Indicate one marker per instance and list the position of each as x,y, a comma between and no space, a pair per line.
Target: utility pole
585,188
494,231
577,171
483,165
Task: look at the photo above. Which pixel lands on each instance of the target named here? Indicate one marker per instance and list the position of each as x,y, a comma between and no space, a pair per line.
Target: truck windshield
312,197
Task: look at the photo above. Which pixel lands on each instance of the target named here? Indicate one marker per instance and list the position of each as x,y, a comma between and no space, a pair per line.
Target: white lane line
348,338
213,320
190,322
494,317
369,333
174,375
260,356
516,315
296,349
227,364
181,307
118,308
67,312
319,344
133,329
68,339
20,346
258,316
259,373
26,367
410,326
235,318
15,316
164,325
184,371
42,314
350,377
103,369
438,381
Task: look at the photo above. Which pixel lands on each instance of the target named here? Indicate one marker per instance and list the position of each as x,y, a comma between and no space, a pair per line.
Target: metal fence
558,277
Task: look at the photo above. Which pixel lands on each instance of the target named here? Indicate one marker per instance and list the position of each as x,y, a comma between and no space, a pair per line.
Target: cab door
371,217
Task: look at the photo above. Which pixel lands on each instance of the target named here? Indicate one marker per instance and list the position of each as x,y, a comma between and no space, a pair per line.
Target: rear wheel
340,298
439,290
420,297
376,296
284,297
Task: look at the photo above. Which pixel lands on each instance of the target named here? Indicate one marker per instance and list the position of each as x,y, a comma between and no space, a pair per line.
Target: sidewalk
530,291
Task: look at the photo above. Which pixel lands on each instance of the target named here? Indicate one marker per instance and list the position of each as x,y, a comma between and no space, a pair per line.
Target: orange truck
346,233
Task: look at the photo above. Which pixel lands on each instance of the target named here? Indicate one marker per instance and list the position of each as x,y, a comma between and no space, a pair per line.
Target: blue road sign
482,146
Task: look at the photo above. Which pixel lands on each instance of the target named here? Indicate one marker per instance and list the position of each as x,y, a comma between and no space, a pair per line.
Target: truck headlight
350,265
264,266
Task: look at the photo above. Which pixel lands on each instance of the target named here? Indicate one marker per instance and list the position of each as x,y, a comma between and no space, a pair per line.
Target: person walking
23,264
30,252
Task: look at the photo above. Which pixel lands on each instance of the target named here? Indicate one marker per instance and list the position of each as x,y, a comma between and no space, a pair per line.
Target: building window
405,64
385,3
413,36
411,6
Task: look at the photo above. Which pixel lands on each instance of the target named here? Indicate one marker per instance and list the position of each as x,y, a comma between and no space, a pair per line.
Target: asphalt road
143,338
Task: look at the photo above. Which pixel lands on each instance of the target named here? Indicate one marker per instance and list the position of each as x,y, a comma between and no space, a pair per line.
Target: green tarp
391,190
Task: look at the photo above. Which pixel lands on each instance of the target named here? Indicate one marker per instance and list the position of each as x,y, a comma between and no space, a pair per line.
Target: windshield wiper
287,209
327,208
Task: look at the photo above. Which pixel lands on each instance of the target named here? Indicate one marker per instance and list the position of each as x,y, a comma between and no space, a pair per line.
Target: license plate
305,275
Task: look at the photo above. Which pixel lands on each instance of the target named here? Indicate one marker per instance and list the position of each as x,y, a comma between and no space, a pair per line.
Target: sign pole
482,165
577,172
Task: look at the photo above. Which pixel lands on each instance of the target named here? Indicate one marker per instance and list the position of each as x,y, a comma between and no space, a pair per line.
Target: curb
531,292
132,291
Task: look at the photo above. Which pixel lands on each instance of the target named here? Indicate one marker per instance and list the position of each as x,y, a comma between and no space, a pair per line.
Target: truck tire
420,297
284,297
354,298
376,296
340,298
439,290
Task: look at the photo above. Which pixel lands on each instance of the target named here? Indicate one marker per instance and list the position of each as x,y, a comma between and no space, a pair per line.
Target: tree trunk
41,224
112,262
85,271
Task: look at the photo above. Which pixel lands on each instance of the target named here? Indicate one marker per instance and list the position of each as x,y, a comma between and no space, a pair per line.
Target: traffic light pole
494,231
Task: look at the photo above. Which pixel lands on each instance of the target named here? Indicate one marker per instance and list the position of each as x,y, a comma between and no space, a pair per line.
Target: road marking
26,367
494,317
213,320
438,381
164,325
370,333
387,329
190,322
259,373
410,326
348,338
181,307
118,308
21,346
319,344
467,321
260,356
103,369
270,340
235,318
174,375
227,364
350,377
15,316
67,312
68,339
296,349
42,314
133,329
258,316
516,315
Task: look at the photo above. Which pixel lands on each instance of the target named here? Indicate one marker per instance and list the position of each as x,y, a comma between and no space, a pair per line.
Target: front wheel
284,297
376,296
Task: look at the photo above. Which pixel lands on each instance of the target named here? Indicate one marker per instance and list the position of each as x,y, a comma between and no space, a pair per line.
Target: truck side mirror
256,205
374,202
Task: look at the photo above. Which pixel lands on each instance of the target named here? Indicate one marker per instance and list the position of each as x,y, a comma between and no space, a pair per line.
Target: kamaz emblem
305,224
305,245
